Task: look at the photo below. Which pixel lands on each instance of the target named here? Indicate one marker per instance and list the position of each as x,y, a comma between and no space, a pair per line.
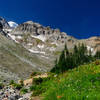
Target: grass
82,83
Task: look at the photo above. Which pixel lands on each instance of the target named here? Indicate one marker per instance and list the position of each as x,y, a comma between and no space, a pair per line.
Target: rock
4,23
9,93
28,81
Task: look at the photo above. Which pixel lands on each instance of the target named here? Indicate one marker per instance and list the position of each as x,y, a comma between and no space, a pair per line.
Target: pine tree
97,55
75,49
62,62
69,60
66,50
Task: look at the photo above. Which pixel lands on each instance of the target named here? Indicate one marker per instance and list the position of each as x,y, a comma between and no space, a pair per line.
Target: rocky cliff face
4,23
92,43
39,39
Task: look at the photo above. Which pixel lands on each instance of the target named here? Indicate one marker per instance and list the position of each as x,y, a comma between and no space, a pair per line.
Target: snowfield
12,24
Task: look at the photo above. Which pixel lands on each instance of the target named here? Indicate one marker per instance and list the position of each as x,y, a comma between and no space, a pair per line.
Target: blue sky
80,18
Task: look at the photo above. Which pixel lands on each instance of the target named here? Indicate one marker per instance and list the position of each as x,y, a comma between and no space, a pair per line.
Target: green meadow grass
82,83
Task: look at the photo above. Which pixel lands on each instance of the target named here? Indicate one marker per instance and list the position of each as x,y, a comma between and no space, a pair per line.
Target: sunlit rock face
41,39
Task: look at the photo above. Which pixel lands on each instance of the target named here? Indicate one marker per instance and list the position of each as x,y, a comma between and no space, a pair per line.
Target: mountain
92,43
40,39
16,62
31,47
4,23
12,24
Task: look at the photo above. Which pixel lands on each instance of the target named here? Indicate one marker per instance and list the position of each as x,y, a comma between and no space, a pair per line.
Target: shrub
97,55
1,85
97,62
33,74
17,86
33,87
21,83
37,81
12,82
36,93
24,91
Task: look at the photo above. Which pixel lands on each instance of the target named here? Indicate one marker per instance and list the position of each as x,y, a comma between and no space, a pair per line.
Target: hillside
16,62
82,83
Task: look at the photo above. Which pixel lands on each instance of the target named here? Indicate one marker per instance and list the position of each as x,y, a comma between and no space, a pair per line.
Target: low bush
40,85
33,87
33,74
12,82
37,81
1,85
36,93
24,91
17,86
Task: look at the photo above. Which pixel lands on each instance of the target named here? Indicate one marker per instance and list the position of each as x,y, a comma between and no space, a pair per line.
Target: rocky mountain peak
4,23
40,39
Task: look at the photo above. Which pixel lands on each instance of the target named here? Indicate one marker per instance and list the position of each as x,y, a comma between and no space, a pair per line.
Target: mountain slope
82,83
16,62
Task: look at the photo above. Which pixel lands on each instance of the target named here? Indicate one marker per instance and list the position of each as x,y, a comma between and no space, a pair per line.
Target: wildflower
58,97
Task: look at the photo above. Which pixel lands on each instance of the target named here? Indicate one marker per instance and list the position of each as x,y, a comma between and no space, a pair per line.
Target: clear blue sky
80,18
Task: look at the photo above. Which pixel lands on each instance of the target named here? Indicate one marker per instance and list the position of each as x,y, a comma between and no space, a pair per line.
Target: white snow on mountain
12,24
41,37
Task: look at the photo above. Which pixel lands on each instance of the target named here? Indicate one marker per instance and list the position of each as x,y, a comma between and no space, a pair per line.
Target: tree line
69,60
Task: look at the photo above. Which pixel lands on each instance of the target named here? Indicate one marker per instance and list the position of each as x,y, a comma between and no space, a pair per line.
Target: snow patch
7,30
41,37
45,57
12,24
19,37
89,48
29,44
40,46
34,51
55,43
13,37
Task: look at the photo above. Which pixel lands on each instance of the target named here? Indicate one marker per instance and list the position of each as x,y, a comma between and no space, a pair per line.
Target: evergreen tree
66,50
69,60
97,55
62,62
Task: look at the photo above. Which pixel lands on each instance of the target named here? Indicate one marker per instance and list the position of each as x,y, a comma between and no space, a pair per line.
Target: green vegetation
39,86
82,83
73,77
24,91
11,82
97,55
1,85
16,85
69,60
